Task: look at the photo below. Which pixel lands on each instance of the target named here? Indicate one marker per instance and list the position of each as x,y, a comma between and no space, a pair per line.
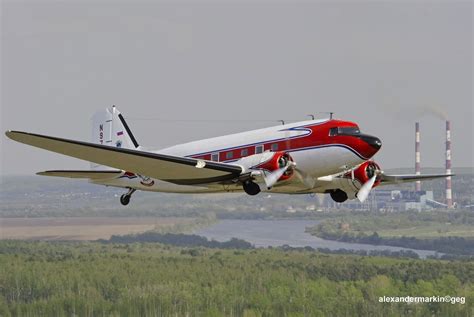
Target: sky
181,71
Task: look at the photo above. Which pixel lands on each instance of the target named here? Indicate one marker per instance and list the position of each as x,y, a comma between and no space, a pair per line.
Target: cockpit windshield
344,131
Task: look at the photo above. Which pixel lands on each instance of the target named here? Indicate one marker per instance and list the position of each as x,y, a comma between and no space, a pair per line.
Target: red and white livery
314,156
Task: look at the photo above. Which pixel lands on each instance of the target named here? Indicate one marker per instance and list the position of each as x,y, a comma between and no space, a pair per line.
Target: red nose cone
366,145
373,144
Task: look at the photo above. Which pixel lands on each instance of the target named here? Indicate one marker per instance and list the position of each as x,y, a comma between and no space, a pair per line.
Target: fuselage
318,147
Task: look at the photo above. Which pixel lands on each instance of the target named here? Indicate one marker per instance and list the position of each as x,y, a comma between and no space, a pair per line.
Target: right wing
174,169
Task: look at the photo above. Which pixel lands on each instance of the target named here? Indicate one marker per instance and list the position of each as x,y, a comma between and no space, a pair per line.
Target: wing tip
12,133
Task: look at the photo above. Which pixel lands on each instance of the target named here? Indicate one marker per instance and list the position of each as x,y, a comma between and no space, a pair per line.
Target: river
264,233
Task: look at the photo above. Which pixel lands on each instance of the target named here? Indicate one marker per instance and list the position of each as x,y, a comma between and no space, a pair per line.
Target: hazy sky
383,65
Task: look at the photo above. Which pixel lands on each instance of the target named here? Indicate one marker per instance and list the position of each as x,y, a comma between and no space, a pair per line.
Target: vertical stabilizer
109,128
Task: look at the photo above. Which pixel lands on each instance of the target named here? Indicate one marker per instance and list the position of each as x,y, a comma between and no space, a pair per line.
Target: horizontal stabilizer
174,169
82,174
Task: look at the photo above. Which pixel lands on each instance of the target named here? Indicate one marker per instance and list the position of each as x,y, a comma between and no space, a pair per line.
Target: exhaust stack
417,155
449,197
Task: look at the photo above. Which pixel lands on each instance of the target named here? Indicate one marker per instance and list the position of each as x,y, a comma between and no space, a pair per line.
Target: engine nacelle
364,172
352,181
267,162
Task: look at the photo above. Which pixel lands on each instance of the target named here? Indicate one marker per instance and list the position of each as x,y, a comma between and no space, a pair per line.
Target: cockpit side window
333,131
349,130
344,131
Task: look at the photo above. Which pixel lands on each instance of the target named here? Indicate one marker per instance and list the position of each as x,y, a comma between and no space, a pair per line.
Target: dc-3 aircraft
315,156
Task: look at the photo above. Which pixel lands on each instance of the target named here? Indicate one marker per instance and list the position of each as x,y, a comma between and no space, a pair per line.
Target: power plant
449,197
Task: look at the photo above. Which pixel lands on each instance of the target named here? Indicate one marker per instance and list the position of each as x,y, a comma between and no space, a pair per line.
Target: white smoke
417,111
436,111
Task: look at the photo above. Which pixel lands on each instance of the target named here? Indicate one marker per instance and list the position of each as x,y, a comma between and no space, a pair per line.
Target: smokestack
417,155
449,197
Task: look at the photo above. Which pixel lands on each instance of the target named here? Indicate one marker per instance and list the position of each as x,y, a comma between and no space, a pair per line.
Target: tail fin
109,128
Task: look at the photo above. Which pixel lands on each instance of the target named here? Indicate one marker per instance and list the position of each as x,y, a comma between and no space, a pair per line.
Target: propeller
274,176
365,189
306,179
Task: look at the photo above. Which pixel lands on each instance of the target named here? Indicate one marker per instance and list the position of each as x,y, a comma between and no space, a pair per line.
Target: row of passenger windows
243,152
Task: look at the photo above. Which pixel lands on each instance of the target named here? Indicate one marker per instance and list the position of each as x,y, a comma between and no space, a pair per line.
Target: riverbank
275,233
450,233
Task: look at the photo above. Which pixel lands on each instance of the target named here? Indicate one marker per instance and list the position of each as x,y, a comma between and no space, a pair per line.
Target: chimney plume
417,155
449,197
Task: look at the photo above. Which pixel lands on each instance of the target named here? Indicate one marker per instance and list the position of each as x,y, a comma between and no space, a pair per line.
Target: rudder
109,128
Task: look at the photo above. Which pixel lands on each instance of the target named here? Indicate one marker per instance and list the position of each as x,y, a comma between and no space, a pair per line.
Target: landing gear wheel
251,188
339,196
124,199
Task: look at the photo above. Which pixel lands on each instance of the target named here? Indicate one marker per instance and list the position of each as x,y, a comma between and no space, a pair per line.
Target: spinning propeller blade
306,179
365,189
274,176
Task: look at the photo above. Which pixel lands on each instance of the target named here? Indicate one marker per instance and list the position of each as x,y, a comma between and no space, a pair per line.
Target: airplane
314,156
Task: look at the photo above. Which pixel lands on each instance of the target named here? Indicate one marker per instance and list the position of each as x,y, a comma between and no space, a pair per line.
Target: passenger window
274,147
215,157
259,149
244,152
229,155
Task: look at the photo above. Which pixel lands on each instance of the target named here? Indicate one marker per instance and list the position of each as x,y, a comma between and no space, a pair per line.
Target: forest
179,239
152,279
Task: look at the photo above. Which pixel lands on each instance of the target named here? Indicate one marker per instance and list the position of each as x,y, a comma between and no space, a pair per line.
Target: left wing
398,179
174,169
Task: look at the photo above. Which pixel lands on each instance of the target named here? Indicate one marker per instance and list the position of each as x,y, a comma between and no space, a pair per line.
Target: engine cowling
268,162
278,160
352,181
365,172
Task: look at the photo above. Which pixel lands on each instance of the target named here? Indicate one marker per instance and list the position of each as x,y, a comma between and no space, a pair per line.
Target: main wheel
124,199
251,188
339,196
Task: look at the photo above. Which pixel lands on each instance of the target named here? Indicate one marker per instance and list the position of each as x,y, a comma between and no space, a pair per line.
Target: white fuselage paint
313,161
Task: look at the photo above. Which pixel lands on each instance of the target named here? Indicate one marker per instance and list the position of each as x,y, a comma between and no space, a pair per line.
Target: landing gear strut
339,196
251,188
125,198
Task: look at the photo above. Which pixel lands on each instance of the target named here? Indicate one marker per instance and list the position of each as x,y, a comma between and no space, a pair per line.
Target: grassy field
86,228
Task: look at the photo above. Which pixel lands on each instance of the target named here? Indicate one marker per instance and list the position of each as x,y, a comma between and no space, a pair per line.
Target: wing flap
159,166
95,175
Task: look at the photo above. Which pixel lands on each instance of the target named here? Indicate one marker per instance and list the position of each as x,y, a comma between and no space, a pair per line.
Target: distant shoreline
84,228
